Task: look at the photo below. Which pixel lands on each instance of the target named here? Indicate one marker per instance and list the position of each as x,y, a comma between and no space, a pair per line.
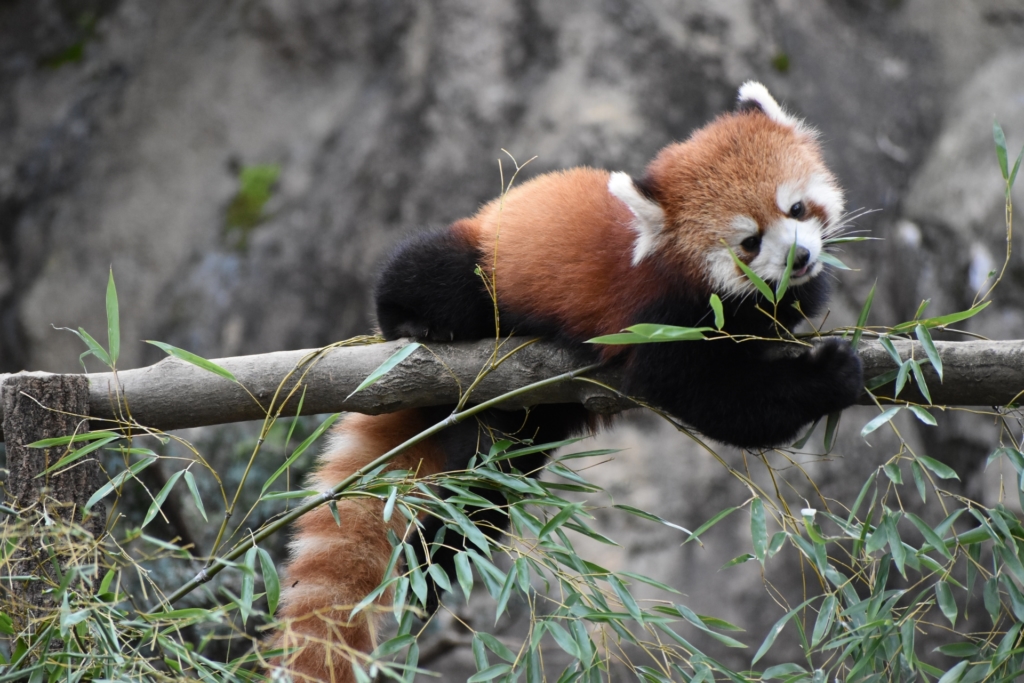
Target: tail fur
332,568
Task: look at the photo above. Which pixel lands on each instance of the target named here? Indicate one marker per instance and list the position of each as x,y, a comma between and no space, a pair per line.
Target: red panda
574,255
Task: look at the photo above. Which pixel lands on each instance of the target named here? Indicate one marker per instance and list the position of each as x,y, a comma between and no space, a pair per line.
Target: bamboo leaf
195,360
923,415
824,621
758,529
760,284
716,306
113,321
300,449
386,367
862,319
78,454
103,491
880,420
783,285
248,583
196,498
710,523
925,337
944,595
271,580
833,261
1000,140
160,497
941,470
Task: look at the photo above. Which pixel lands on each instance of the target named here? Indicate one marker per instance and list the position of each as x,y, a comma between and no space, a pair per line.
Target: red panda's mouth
803,271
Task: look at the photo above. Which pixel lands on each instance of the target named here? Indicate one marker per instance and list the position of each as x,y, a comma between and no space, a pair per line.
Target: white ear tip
752,91
757,94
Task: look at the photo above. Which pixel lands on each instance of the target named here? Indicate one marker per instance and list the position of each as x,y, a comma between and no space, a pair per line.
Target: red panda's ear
648,216
755,97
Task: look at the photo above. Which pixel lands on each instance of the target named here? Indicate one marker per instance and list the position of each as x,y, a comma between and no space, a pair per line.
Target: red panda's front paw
838,366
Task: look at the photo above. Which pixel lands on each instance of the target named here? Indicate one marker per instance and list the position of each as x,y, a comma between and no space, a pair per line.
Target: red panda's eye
798,210
752,243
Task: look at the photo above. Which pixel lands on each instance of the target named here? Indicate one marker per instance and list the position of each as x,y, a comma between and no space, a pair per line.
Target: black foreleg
429,289
750,394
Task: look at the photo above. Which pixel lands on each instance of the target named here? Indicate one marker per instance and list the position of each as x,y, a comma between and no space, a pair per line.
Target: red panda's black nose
800,258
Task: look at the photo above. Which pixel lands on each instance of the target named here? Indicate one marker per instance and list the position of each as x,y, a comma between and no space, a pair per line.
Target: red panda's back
563,244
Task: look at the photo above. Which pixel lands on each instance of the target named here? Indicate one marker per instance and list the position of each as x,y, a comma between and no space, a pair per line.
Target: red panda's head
753,182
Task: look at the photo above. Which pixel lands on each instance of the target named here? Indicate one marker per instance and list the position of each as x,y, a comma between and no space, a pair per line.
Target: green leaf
386,367
103,491
739,559
647,515
626,598
94,347
192,358
862,319
490,673
287,495
831,425
991,594
651,333
923,415
953,675
824,621
944,595
196,498
915,367
558,520
760,284
959,650
716,306
710,523
783,285
300,449
940,470
892,470
941,320
440,577
160,497
1000,140
72,438
925,337
564,640
880,420
271,580
464,573
932,538
833,261
113,322
78,454
758,529
783,671
496,646
777,629
248,583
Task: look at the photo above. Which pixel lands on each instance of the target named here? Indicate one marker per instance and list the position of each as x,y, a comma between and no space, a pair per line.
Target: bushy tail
332,568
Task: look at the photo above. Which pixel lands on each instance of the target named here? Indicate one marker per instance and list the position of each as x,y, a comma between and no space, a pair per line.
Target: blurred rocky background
243,165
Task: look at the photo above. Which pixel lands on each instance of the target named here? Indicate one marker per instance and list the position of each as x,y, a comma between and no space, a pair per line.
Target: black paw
839,368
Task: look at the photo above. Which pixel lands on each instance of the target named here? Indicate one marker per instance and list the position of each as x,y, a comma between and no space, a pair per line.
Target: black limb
751,394
429,289
540,425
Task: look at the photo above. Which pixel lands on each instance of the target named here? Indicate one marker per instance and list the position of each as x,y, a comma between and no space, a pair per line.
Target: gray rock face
385,116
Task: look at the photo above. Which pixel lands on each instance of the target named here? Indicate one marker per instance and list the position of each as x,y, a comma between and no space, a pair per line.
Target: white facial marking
773,252
752,91
778,239
818,189
648,218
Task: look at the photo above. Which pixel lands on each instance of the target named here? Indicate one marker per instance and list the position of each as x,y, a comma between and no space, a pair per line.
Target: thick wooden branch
173,394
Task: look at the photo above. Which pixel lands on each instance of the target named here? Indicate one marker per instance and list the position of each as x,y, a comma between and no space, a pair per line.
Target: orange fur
334,567
562,246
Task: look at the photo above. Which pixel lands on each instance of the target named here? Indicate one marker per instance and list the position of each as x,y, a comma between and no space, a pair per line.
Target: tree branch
173,394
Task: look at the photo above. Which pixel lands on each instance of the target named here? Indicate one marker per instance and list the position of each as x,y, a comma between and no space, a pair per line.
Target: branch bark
173,394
